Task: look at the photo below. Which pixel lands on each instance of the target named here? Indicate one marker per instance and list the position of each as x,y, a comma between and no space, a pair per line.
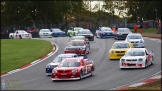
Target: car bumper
121,36
115,56
77,52
54,79
137,65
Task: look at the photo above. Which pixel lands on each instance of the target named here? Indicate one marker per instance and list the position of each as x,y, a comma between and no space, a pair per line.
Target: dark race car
87,33
121,33
79,47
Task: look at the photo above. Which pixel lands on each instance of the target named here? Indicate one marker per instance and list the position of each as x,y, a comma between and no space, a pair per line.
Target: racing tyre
11,37
81,75
146,64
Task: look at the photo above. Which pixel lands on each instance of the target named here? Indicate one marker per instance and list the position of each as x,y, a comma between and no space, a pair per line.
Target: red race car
77,46
73,69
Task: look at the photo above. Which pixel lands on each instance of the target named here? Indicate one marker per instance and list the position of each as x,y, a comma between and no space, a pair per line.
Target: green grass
18,52
153,86
145,30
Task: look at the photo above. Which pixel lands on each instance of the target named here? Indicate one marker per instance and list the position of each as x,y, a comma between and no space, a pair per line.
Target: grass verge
18,52
155,85
151,32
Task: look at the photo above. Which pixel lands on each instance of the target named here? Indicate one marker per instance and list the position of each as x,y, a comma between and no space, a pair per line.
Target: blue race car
56,61
104,32
57,32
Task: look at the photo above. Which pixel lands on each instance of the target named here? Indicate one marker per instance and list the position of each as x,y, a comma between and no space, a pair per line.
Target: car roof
44,29
65,55
123,28
121,42
134,34
137,49
54,28
77,36
77,27
105,27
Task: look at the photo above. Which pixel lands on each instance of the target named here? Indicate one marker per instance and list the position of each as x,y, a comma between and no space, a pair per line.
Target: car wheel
91,73
122,68
11,37
81,76
145,63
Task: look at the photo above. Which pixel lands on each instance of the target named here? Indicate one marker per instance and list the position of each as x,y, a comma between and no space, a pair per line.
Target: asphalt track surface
107,74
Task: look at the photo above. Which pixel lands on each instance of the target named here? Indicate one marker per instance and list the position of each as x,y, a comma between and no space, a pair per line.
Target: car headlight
91,34
66,48
140,59
122,60
112,51
54,71
141,41
48,66
74,71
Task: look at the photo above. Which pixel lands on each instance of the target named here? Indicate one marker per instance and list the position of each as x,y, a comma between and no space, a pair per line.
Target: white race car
136,39
137,58
20,34
45,33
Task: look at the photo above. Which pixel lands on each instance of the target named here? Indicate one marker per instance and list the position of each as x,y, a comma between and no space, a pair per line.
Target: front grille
60,71
134,41
128,60
129,64
131,60
120,51
67,70
63,71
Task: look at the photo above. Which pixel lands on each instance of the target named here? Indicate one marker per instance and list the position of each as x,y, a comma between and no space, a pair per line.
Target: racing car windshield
135,53
77,38
121,45
70,64
57,30
45,30
123,30
106,29
76,43
135,37
84,32
59,59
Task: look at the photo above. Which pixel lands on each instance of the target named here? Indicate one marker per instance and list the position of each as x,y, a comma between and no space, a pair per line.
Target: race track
107,74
